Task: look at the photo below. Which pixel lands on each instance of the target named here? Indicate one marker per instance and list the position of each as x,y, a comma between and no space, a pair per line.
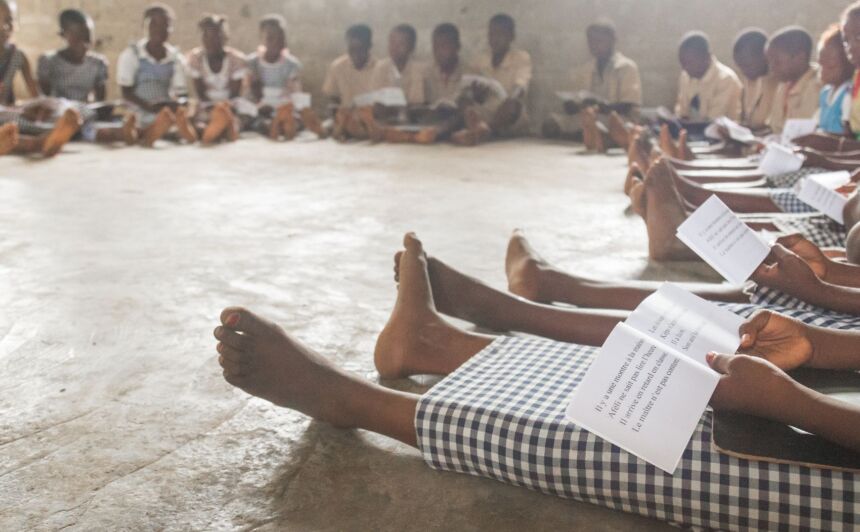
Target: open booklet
469,79
648,386
723,240
797,127
822,192
779,159
735,131
581,97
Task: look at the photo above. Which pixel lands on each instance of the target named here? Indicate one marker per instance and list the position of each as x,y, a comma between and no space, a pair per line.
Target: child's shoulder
97,58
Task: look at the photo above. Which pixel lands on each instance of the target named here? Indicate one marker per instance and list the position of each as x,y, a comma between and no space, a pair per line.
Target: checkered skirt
819,229
786,199
502,415
789,179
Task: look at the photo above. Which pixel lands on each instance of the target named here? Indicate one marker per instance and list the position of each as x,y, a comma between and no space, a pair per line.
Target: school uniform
278,79
345,82
11,63
798,99
514,73
153,80
73,81
410,79
834,108
757,97
444,88
217,83
716,94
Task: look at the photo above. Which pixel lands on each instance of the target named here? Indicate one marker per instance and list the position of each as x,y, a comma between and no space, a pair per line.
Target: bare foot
129,129
590,131
587,130
287,117
219,120
398,136
523,267
261,359
164,120
632,172
640,149
275,125
464,137
667,143
184,127
664,212
64,129
618,130
415,337
683,150
637,197
8,138
374,130
312,122
426,135
476,125
341,117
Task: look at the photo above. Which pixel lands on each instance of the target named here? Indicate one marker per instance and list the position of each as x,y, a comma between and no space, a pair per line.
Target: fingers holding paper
751,385
781,340
788,272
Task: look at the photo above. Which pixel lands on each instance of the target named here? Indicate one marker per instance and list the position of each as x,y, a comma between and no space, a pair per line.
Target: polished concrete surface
115,263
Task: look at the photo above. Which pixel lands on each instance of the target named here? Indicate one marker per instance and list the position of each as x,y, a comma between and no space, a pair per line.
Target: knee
852,245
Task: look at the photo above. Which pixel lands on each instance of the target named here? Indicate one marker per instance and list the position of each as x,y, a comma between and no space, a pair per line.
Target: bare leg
618,130
475,132
664,212
8,138
164,120
312,122
750,200
64,129
220,119
532,277
184,127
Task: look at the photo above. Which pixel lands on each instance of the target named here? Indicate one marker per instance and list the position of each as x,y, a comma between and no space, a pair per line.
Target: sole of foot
164,120
523,268
64,129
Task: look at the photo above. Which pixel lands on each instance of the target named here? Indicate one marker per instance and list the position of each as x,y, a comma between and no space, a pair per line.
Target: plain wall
553,31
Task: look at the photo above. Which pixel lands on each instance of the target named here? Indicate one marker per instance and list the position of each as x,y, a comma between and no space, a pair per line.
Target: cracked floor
114,265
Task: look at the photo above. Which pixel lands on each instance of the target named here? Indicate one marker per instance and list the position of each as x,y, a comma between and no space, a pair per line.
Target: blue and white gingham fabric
787,201
818,229
502,415
789,179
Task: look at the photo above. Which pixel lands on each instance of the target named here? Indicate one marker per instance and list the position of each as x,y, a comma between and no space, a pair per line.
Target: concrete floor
114,265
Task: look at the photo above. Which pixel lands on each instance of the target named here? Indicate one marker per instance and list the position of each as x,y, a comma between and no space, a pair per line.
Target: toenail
232,320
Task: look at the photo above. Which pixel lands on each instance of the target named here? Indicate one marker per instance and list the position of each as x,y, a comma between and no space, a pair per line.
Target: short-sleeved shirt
278,79
217,84
619,82
344,81
439,86
153,80
73,81
514,72
716,94
798,99
10,64
834,108
410,79
757,100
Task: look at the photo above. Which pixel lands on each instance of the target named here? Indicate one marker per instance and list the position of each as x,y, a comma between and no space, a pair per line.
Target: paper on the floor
778,159
722,240
736,131
643,396
797,127
301,100
820,192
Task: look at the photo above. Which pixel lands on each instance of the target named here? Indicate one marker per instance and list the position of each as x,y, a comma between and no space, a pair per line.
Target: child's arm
27,73
755,386
789,343
827,269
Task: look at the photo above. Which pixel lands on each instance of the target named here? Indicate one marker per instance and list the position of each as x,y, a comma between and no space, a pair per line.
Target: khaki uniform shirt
344,81
719,93
619,82
796,100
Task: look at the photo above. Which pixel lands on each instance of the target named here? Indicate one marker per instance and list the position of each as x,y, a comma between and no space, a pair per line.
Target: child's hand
752,386
806,250
780,340
788,273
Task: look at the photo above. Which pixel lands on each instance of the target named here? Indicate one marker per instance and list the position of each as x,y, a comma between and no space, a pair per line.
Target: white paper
723,241
391,97
301,100
819,191
736,131
642,396
687,323
579,96
797,127
365,99
492,84
778,159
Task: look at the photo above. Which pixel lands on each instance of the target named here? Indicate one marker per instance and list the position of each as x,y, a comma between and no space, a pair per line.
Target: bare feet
476,131
261,359
664,212
341,118
374,130
8,138
637,196
394,135
184,127
312,122
426,135
640,148
523,267
591,131
64,129
618,130
287,117
683,150
219,120
275,125
667,143
129,129
632,172
164,120
416,340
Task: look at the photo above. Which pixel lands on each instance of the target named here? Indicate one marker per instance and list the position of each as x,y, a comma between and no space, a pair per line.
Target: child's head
501,32
273,32
601,39
836,69
358,43
401,42
789,51
748,53
8,14
213,32
694,54
158,20
446,44
851,33
77,28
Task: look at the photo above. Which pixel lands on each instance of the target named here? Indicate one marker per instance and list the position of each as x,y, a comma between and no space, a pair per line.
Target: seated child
789,54
151,75
759,85
274,76
610,76
217,71
512,68
348,76
707,89
835,74
75,76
